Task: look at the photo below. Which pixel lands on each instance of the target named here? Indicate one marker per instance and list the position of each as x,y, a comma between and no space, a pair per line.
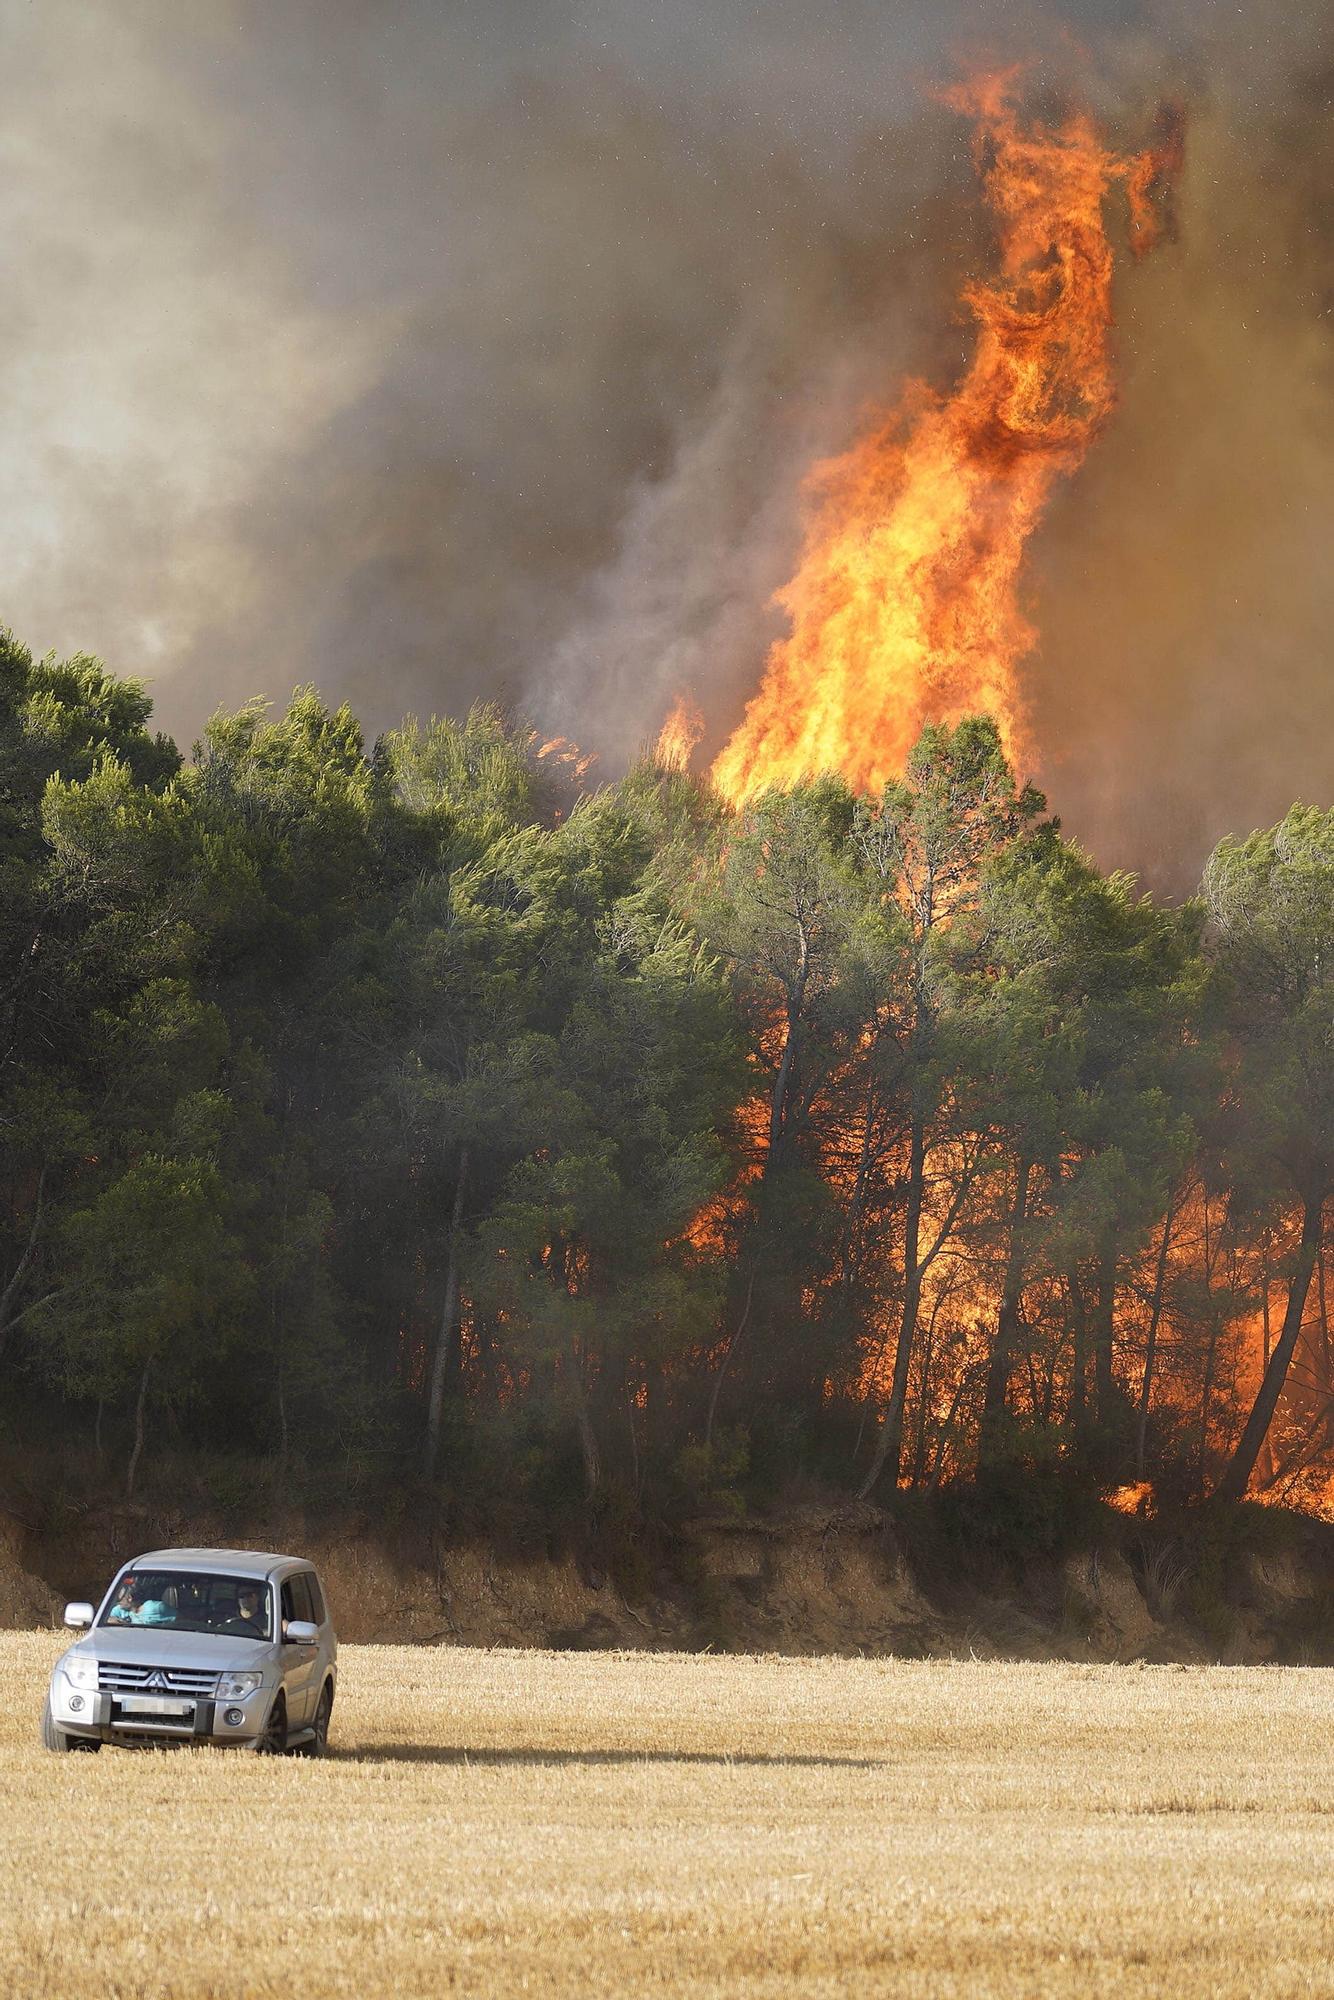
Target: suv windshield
186,1601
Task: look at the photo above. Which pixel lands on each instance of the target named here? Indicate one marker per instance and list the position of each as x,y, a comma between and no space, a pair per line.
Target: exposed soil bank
803,1579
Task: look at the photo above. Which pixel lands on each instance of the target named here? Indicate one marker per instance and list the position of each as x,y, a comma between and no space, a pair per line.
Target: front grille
119,1677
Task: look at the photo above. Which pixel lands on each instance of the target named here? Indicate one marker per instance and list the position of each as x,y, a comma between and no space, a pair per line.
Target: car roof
236,1562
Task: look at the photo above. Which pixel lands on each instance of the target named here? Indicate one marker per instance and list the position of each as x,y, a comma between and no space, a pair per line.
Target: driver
249,1606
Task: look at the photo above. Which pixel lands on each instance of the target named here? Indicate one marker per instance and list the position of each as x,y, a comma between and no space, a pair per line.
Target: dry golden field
507,1822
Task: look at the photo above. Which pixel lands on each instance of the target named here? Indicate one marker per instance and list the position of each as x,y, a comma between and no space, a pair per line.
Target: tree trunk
448,1315
634,1443
917,1468
1265,1462
778,1101
947,1431
889,1443
1007,1319
11,1290
850,1254
726,1361
1104,1330
1233,1484
1324,1371
284,1437
137,1452
1079,1372
484,1339
1151,1341
588,1444
1207,1395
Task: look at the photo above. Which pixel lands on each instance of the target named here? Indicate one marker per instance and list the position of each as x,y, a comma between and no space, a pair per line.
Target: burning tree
1271,906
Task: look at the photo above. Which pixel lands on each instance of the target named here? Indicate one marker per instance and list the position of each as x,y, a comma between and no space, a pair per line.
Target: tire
319,1743
273,1742
61,1739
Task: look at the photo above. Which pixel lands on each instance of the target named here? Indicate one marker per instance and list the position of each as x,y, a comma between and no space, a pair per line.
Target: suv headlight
234,1687
81,1674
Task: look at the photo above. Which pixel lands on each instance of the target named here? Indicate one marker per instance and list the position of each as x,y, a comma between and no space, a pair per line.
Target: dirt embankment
808,1579
24,1599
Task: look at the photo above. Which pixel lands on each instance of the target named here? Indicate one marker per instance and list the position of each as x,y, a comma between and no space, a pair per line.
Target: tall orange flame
679,735
905,608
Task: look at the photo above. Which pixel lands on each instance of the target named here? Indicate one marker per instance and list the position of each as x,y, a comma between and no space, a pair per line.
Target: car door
320,1612
300,1663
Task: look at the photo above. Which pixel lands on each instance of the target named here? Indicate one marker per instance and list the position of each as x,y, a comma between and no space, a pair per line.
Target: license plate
153,1704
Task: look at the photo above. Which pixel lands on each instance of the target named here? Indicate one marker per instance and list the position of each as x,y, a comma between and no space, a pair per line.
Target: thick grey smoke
431,349
1185,682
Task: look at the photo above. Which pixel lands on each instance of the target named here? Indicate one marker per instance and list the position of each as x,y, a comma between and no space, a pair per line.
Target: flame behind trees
1271,900
1082,1158
941,989
654,1138
904,609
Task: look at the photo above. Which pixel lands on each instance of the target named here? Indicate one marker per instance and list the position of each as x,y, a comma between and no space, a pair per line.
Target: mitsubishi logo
157,1679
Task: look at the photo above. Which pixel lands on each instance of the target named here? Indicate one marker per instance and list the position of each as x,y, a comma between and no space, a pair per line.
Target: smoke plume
430,351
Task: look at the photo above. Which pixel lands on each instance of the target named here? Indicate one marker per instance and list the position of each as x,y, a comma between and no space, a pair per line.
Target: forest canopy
412,1116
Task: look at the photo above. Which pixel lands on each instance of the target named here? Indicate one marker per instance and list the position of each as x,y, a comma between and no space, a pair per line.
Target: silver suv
199,1646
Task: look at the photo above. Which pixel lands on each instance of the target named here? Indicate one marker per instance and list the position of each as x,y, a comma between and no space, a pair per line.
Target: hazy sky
429,351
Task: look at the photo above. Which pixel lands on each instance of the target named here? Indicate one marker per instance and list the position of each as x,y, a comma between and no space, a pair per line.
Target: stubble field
502,1822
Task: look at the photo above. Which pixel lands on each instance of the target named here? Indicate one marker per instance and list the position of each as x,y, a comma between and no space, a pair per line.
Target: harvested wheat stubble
495,1823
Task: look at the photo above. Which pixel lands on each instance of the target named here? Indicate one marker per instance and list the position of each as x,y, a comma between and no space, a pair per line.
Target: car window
289,1604
318,1611
190,1601
301,1599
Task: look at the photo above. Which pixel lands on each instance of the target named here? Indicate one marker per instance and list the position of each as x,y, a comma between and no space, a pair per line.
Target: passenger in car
134,1607
126,1602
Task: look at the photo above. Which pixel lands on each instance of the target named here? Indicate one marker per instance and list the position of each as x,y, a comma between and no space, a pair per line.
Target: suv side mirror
300,1632
79,1616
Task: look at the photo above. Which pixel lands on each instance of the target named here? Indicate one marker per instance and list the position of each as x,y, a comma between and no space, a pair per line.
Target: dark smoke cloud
1185,683
438,350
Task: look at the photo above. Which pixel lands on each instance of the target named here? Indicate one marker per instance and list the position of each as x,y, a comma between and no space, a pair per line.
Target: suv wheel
319,1742
61,1739
274,1740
